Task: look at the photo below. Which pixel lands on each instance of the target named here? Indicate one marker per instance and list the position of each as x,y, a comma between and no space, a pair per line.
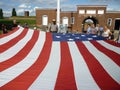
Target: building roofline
112,11
56,9
68,11
91,5
46,9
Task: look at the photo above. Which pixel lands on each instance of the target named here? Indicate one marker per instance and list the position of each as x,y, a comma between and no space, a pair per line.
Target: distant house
26,13
78,20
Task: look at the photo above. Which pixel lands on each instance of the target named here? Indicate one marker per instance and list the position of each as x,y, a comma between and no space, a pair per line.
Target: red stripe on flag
113,55
102,78
113,43
21,54
27,78
13,41
66,79
11,32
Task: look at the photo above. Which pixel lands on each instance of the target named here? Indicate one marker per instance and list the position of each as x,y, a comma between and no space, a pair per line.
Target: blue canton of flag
75,37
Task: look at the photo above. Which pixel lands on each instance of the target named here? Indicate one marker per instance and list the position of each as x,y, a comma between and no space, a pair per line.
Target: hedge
9,23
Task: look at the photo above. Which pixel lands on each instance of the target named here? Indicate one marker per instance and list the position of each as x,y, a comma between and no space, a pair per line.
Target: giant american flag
37,60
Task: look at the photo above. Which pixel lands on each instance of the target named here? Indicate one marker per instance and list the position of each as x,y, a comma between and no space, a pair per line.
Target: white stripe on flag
9,37
46,80
111,67
17,47
83,76
110,47
14,71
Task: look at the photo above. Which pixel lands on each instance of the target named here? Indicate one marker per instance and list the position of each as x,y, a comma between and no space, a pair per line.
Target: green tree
14,12
1,14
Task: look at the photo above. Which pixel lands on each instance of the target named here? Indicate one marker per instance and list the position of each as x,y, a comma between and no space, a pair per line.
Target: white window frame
91,12
81,11
109,21
45,20
72,20
65,21
100,11
89,20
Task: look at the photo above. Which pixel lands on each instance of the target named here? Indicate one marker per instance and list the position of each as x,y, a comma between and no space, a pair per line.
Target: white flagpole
58,12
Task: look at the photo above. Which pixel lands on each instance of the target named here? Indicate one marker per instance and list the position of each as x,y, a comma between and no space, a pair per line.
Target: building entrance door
117,24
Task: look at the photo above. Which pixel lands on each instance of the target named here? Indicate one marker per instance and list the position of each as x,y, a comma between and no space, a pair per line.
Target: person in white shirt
91,29
53,28
106,32
97,28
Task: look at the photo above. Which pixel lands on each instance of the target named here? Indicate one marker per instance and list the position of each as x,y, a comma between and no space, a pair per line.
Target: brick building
26,13
78,20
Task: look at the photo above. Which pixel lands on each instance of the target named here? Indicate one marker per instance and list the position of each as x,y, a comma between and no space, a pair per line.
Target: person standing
97,28
100,30
106,32
89,29
25,25
14,24
118,39
53,28
4,29
93,29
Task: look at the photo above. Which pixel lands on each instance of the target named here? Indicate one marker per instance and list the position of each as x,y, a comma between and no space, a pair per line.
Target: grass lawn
21,21
31,21
0,32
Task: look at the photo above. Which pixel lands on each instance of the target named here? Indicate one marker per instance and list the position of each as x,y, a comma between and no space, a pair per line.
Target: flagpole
58,12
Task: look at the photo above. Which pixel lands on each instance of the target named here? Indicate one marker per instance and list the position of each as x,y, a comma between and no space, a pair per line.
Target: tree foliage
14,12
1,14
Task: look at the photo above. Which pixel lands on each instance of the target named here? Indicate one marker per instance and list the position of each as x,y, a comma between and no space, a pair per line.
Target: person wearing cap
53,28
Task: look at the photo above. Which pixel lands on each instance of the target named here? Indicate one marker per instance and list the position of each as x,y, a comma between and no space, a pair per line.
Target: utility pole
58,12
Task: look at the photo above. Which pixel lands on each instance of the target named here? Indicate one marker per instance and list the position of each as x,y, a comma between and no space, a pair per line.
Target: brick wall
79,18
51,13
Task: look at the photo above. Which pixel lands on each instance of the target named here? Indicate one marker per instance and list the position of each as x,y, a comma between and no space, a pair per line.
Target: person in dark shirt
4,29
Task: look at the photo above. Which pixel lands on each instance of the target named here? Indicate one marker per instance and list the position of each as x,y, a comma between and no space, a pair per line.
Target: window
72,20
89,21
81,11
91,12
65,21
44,20
109,21
100,11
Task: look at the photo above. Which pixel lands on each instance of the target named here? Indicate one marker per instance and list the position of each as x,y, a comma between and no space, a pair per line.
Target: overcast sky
66,5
